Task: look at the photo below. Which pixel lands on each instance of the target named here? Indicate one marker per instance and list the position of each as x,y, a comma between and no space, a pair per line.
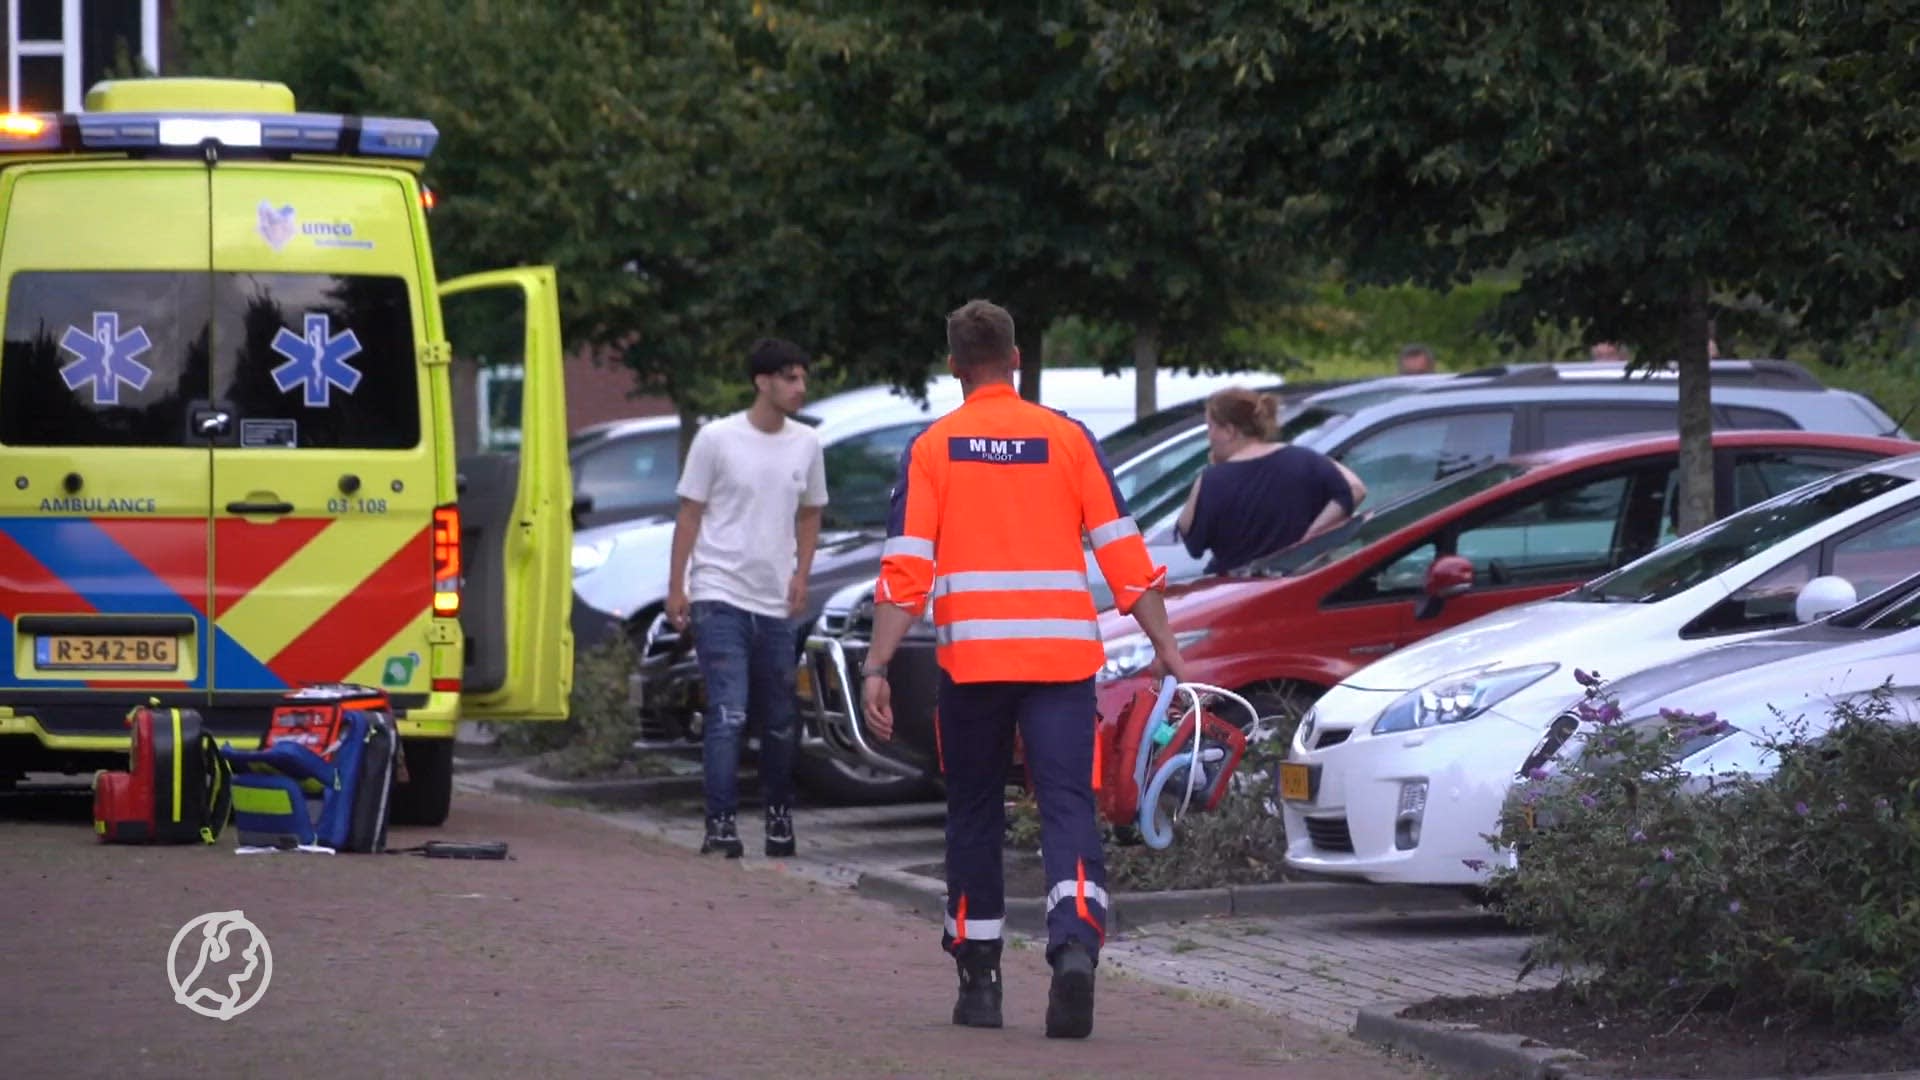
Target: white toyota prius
1397,773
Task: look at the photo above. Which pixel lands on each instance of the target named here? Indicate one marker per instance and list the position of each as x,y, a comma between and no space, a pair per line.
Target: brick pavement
596,951
1319,969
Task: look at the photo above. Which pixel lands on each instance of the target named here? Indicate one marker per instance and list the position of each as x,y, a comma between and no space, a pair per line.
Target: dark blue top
1256,506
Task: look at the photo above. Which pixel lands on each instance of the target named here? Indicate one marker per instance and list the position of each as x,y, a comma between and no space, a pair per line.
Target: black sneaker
722,837
779,831
1070,999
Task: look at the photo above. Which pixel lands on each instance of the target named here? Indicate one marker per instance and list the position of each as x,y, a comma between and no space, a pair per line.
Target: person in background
1416,359
751,497
1257,496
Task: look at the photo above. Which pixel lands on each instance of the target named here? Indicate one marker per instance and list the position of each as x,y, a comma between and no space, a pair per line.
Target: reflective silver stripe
969,581
977,929
1067,889
1016,630
911,546
1117,529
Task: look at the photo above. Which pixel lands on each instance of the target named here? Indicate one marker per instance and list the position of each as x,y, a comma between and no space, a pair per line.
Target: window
102,359
1565,425
1732,540
1759,475
328,359
1170,458
1569,534
1741,416
1410,455
1764,603
631,473
1880,554
861,471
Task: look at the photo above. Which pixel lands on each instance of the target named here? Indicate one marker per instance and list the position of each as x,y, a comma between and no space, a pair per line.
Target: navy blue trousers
976,725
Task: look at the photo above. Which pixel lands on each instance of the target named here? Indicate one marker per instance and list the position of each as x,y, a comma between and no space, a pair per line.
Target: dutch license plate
94,652
1295,783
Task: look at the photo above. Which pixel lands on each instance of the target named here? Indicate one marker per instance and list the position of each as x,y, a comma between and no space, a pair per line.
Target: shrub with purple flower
1762,894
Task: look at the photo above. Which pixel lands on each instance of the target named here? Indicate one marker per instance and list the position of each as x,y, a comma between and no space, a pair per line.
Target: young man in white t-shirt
751,494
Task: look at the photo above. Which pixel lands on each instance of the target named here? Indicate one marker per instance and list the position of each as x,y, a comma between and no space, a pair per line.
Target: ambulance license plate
154,652
1296,782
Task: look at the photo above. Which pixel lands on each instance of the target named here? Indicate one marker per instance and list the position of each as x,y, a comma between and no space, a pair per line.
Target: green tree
1653,170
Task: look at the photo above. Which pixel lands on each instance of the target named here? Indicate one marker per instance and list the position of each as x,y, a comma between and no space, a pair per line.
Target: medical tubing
1154,719
1150,801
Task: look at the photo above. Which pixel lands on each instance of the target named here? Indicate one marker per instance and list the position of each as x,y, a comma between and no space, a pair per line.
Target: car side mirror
1822,597
1450,575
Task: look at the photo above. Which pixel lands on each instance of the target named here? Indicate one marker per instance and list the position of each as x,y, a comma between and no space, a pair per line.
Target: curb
928,896
1468,1050
615,793
1463,1048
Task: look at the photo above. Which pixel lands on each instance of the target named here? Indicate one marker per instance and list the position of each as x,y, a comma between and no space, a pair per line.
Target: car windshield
1343,540
1732,540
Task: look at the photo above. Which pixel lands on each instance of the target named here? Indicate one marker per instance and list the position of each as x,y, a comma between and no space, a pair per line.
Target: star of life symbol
316,360
106,358
220,939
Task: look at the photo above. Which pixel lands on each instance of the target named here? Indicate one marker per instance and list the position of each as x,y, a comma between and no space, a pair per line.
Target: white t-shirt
752,484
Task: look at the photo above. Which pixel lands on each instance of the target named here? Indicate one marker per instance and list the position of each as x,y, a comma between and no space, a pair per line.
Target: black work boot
979,1002
721,836
1070,999
779,830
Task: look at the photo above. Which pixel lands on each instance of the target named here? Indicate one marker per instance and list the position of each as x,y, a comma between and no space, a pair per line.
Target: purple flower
1585,679
1588,801
1609,713
1673,983
1671,714
1646,883
1476,865
1841,806
1734,907
1801,809
1879,803
1638,837
1538,772
1666,854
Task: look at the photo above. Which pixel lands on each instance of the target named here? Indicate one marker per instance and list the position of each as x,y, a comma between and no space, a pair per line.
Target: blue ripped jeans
747,660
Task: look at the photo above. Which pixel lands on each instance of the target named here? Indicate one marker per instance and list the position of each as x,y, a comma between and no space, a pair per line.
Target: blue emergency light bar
310,133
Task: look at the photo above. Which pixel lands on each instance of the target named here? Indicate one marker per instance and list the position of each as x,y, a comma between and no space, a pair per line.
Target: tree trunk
1696,417
1146,370
1029,336
689,425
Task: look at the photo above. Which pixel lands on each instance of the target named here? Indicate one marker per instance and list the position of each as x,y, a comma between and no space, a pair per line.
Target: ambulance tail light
446,560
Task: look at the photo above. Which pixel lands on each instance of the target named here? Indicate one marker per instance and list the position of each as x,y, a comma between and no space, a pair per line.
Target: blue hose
1154,720
1150,801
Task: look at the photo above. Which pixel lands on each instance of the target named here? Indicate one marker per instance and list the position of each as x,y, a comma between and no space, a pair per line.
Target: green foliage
597,737
1796,895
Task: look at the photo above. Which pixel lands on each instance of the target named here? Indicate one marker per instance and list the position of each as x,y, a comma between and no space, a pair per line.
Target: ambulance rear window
298,361
102,359
326,359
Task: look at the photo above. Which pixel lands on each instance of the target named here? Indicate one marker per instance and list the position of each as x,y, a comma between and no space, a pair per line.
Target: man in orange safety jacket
988,517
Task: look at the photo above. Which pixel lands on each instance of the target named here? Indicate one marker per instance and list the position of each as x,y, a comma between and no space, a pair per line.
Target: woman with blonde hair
1257,496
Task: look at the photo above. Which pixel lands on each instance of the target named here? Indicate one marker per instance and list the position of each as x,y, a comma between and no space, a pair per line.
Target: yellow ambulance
229,464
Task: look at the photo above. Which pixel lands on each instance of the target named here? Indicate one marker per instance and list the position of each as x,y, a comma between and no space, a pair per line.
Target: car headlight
1131,654
592,556
1452,699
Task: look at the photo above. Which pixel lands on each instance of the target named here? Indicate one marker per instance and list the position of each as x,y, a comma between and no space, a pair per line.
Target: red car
1290,626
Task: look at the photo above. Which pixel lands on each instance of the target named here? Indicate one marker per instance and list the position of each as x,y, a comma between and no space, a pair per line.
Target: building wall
56,49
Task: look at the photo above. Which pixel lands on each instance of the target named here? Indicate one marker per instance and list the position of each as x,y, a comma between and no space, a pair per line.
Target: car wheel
427,794
834,781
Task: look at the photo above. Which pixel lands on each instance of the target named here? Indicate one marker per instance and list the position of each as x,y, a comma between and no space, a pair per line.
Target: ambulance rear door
516,494
323,464
103,475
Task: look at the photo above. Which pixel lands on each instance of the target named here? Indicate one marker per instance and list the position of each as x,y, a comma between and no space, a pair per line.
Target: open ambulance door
515,493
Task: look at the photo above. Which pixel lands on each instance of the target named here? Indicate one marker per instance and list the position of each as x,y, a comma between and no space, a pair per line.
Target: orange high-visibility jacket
988,515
